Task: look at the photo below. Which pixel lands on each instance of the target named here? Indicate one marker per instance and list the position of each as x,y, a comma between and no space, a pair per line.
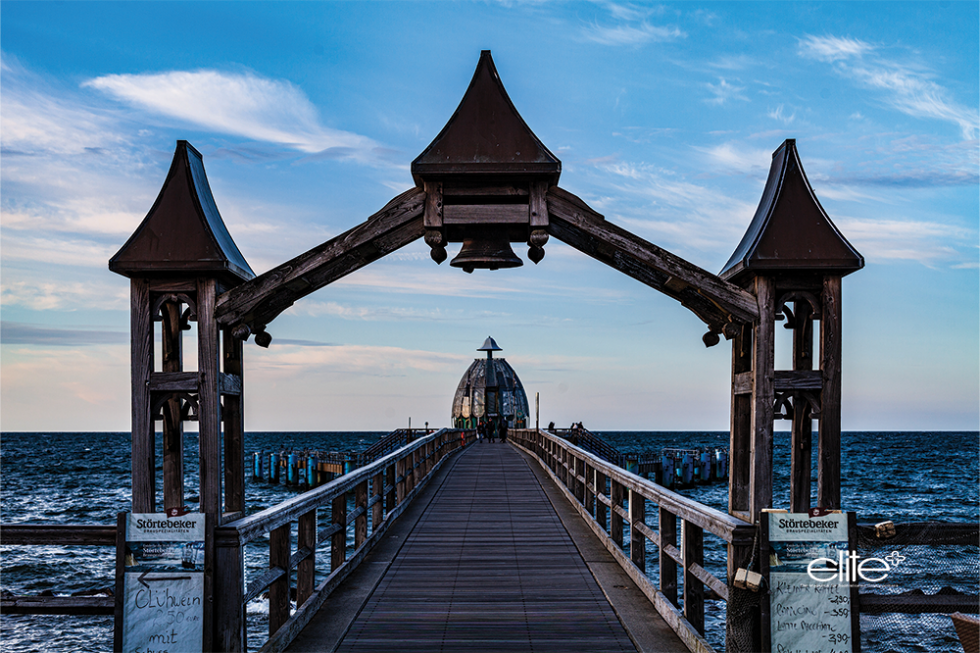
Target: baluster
338,541
693,588
360,522
615,519
279,589
378,496
668,567
638,541
400,480
390,497
589,474
306,570
600,507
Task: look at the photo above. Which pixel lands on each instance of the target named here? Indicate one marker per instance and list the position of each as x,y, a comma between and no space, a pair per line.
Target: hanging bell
487,252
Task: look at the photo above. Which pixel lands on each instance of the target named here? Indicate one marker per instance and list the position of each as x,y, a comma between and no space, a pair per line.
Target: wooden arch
250,306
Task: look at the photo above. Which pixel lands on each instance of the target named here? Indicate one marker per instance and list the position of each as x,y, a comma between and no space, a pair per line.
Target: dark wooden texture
667,523
306,569
209,405
233,417
173,426
693,586
257,302
740,438
828,463
141,360
712,299
802,432
638,540
763,395
279,590
489,567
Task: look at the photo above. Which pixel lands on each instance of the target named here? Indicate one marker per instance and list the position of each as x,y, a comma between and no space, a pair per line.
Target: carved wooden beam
255,303
714,300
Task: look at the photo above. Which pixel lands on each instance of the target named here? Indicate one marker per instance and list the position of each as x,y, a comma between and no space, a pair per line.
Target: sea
84,478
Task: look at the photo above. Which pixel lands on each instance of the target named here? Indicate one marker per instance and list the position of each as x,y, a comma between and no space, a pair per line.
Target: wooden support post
693,538
743,624
360,522
391,498
668,567
763,396
279,589
828,463
173,426
578,469
306,570
589,492
141,357
209,405
740,449
233,415
801,457
400,480
615,519
638,541
600,507
229,612
378,496
338,541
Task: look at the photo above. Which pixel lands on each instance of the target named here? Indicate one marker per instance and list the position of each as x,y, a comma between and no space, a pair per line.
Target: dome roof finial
489,345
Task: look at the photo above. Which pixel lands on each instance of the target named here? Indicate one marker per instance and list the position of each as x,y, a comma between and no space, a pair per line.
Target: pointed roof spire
791,231
486,136
489,345
183,234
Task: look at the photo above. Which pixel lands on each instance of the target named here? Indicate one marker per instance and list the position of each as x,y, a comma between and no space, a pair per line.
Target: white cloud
632,28
908,240
906,88
833,48
287,360
778,114
245,104
723,92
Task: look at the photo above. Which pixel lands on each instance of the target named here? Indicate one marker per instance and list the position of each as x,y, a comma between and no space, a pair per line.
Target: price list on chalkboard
809,589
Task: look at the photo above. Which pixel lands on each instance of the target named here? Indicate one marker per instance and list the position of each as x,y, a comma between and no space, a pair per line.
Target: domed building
490,389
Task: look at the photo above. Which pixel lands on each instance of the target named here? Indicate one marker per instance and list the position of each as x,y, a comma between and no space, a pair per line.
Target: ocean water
85,478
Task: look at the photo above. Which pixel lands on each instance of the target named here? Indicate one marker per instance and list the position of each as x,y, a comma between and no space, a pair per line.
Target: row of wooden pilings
302,469
677,468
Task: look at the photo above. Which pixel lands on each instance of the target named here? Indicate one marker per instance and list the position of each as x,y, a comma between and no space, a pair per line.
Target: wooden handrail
582,476
395,479
59,534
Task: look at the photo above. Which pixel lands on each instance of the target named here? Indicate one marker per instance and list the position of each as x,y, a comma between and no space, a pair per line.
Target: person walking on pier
503,430
481,430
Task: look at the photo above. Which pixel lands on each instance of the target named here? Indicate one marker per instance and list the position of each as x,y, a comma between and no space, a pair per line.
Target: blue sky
664,116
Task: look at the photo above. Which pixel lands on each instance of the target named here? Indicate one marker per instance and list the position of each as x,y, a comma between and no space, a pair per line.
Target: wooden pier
485,563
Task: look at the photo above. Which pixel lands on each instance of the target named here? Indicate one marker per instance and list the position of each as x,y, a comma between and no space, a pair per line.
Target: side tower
792,258
178,260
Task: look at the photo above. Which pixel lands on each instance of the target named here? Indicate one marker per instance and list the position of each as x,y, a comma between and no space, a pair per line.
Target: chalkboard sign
163,583
810,607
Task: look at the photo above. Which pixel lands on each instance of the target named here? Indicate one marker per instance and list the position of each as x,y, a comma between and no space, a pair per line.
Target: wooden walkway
488,567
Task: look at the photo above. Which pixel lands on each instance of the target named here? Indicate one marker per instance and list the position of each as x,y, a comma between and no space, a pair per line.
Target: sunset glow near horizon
664,117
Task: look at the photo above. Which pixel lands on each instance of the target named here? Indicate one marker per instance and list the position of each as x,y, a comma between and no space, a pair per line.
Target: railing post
693,588
638,541
615,519
391,497
279,589
668,567
360,522
578,469
306,570
378,496
600,507
401,480
589,474
338,541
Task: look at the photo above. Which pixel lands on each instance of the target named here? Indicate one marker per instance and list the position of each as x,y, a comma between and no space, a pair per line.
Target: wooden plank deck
489,567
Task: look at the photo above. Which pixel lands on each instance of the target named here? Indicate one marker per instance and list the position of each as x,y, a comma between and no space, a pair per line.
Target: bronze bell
487,252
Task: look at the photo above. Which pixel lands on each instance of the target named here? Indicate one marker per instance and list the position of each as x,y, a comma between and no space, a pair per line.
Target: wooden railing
598,490
59,535
382,489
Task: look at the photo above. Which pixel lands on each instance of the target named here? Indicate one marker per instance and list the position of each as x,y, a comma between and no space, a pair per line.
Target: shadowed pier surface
489,566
